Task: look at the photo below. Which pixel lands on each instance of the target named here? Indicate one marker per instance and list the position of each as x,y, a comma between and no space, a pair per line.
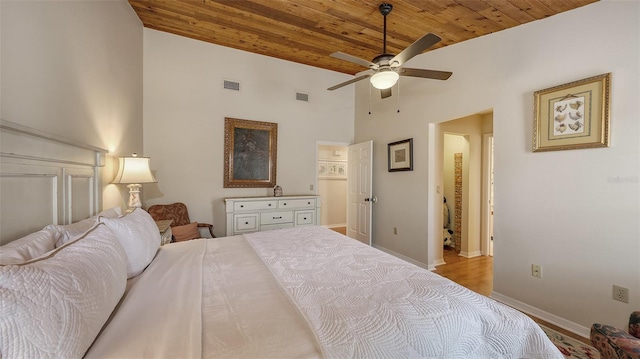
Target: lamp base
134,196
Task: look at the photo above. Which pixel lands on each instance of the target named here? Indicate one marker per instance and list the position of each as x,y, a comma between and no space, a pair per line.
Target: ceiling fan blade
414,49
385,93
349,82
429,74
355,60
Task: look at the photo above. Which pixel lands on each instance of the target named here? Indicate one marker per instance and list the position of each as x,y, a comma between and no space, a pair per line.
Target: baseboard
546,316
436,263
470,254
334,225
405,258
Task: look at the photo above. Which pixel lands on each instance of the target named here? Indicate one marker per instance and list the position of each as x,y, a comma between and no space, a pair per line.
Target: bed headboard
45,179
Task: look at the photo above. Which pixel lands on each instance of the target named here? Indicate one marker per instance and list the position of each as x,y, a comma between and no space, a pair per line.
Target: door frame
487,164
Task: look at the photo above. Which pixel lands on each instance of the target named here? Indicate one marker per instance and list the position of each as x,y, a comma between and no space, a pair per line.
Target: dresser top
257,198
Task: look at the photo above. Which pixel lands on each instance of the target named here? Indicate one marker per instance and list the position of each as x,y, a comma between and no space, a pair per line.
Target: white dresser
254,214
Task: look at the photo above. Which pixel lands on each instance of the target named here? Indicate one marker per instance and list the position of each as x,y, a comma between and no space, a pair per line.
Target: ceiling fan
385,69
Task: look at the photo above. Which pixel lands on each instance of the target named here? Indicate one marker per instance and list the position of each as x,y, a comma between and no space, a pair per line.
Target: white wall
573,212
185,107
74,69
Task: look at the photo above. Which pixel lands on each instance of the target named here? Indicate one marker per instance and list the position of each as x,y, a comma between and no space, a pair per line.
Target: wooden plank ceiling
308,31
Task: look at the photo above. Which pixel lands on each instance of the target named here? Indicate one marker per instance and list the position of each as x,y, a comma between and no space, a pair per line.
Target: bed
303,292
103,287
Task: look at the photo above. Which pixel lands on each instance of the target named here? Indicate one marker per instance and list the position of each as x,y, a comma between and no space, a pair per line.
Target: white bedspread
320,294
364,303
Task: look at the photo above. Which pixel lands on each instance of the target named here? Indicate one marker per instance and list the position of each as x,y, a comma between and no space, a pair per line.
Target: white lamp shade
384,79
134,170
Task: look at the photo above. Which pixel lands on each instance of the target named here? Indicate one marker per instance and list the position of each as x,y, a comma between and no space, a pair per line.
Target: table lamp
134,171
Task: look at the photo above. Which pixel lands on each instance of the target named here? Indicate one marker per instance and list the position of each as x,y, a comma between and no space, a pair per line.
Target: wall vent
302,96
231,85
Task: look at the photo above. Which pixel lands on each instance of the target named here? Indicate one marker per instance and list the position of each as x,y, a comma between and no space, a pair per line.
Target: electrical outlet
310,187
536,270
621,294
395,230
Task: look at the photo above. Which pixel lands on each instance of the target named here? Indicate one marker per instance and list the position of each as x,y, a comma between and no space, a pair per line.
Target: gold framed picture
400,155
573,115
250,153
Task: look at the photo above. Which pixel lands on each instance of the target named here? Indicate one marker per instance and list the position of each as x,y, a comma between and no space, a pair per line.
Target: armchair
614,343
176,212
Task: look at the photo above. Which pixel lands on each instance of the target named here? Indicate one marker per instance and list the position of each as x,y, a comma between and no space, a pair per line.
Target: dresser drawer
276,217
269,227
254,205
245,222
296,203
304,218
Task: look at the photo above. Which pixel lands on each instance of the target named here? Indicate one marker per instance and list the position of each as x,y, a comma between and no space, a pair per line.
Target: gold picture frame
572,116
250,153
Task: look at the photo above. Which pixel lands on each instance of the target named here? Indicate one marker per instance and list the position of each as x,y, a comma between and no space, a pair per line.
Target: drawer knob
246,222
269,204
242,206
308,202
284,204
277,217
305,218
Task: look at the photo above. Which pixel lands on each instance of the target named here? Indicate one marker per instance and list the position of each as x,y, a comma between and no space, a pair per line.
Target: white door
359,184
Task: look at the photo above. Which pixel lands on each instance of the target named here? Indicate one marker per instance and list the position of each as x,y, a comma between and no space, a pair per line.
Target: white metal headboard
45,179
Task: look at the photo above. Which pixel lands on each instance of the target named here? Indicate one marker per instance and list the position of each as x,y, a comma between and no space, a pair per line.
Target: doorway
455,186
331,161
465,166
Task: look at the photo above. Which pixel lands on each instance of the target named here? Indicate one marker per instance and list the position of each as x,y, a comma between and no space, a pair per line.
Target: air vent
231,85
302,96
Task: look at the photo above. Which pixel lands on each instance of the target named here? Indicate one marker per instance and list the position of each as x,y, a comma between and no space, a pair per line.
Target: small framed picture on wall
400,155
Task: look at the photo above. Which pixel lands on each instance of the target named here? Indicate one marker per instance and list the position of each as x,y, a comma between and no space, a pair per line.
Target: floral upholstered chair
181,227
614,343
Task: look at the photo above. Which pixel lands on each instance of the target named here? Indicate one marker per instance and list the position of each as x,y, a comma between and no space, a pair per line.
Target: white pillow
139,236
55,305
69,232
32,246
111,212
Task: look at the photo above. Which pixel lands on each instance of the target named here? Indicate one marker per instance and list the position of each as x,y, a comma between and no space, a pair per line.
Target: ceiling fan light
384,79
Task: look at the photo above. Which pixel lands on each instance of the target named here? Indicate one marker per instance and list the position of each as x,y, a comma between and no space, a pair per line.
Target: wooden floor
474,273
477,274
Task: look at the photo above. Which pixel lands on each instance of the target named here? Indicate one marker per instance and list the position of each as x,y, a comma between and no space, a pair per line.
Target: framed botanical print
322,169
573,115
250,153
332,170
